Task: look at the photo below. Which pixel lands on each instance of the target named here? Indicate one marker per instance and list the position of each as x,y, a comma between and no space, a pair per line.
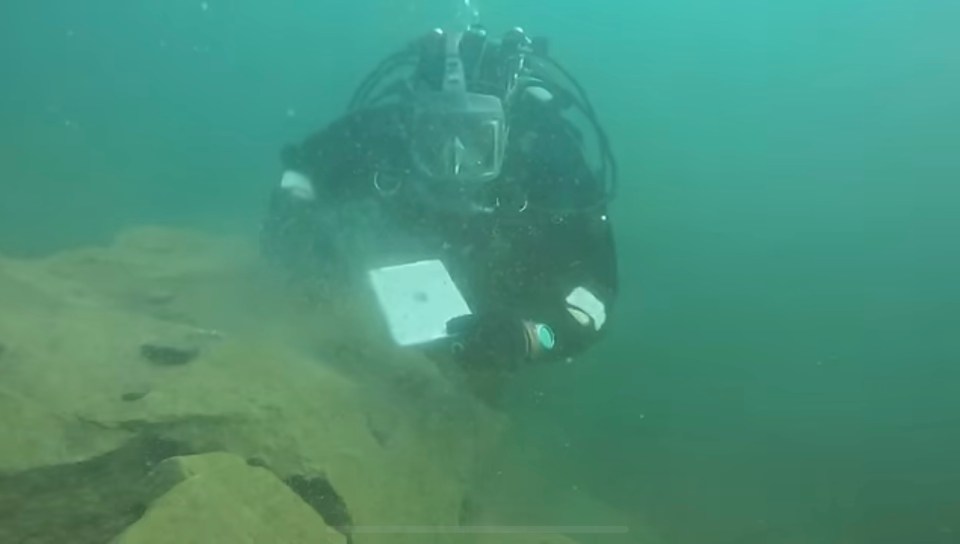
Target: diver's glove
498,340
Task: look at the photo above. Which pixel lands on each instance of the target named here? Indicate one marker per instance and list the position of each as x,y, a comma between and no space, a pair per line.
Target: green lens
546,337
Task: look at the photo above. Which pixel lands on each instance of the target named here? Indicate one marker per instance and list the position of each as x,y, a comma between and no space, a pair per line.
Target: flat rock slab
231,365
218,498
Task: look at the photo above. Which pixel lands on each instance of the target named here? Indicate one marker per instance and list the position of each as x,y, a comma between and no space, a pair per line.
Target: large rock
367,435
218,498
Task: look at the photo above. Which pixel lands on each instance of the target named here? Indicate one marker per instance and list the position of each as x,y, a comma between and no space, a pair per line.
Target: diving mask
457,136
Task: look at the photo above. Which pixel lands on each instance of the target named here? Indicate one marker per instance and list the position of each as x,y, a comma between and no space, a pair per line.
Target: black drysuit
542,237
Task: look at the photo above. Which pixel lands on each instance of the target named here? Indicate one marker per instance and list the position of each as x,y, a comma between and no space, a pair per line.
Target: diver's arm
579,269
339,160
319,173
572,263
571,285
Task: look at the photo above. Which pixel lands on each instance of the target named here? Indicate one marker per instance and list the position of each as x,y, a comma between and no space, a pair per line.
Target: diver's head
458,125
460,91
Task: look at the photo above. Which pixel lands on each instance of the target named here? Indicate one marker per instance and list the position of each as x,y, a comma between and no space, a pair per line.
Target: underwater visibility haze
783,359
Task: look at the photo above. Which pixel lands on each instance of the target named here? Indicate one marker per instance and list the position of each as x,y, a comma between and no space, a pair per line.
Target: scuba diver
468,150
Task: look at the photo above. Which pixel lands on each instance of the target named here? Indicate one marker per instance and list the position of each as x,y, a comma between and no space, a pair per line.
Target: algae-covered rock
35,437
218,498
312,397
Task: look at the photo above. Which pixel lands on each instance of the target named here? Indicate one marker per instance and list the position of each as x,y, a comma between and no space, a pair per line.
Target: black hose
379,73
609,169
608,172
